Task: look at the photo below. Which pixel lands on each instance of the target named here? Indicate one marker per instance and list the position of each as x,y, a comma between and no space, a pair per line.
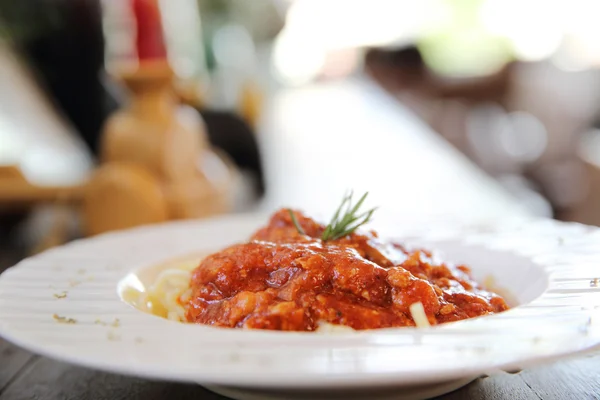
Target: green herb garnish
295,222
347,218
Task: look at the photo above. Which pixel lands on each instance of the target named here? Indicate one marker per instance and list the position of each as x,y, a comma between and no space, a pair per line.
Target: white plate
549,268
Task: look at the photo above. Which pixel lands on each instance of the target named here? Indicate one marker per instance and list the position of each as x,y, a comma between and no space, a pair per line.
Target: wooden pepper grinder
152,151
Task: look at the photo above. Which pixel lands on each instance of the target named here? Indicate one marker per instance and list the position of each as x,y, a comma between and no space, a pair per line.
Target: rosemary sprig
347,219
295,222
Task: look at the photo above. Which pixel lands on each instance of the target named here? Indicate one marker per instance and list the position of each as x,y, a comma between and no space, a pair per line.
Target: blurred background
118,113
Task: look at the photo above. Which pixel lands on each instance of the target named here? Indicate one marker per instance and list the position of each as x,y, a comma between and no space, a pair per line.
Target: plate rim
485,235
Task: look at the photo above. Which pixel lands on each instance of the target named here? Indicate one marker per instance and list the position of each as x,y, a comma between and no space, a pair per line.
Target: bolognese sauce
286,280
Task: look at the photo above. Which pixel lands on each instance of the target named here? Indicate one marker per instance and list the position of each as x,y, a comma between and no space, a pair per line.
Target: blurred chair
510,123
587,210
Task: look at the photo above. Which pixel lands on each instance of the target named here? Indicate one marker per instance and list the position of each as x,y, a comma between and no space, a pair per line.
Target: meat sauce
283,280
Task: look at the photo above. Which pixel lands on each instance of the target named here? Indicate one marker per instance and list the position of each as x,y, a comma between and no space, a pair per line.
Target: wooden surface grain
44,379
12,361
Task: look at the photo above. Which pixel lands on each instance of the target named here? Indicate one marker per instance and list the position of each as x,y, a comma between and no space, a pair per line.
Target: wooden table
320,141
24,377
411,173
